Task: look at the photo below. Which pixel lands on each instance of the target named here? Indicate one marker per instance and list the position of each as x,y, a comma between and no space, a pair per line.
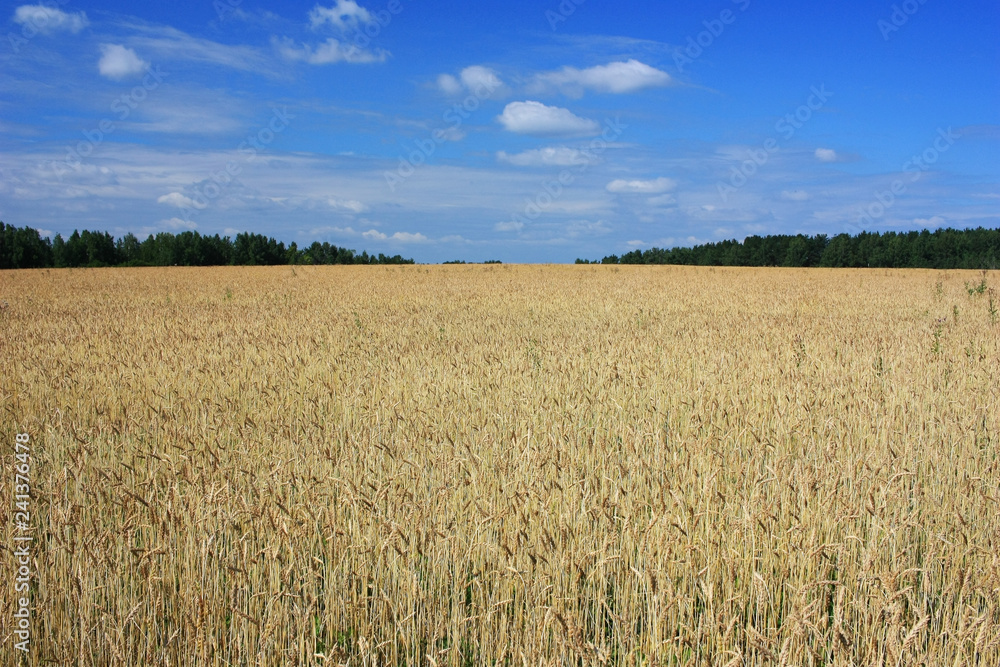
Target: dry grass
505,465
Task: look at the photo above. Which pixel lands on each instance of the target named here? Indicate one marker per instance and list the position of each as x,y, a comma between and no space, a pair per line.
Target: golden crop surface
496,465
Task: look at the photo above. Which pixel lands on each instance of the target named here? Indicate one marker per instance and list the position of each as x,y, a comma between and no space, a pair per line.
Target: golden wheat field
497,465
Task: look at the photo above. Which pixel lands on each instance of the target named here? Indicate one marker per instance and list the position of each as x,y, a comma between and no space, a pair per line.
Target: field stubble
505,465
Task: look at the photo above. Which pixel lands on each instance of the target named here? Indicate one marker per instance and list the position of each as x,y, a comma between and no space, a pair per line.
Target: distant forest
942,249
24,248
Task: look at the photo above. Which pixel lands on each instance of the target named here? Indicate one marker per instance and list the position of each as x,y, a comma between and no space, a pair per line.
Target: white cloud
579,228
178,200
616,77
119,62
476,79
400,237
553,156
826,155
536,118
479,78
48,20
329,52
348,205
795,195
512,226
449,84
935,222
642,187
172,44
344,15
406,237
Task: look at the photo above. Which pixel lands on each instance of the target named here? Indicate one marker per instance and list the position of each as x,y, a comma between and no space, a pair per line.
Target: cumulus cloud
399,237
617,78
795,195
344,15
177,200
476,79
826,155
935,222
48,20
554,156
119,62
536,118
329,52
407,237
642,187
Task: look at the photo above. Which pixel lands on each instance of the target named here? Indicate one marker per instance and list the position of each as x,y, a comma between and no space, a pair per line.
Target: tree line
942,249
25,248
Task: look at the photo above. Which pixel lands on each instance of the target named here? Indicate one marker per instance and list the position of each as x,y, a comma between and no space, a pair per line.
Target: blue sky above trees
539,131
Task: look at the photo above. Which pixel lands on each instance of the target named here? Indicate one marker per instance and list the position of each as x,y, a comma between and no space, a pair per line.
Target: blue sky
520,131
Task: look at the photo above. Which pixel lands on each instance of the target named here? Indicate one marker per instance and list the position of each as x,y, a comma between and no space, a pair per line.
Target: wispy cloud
330,52
553,156
655,186
168,44
175,224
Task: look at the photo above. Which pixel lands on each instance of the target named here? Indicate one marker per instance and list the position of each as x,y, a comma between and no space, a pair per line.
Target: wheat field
498,465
